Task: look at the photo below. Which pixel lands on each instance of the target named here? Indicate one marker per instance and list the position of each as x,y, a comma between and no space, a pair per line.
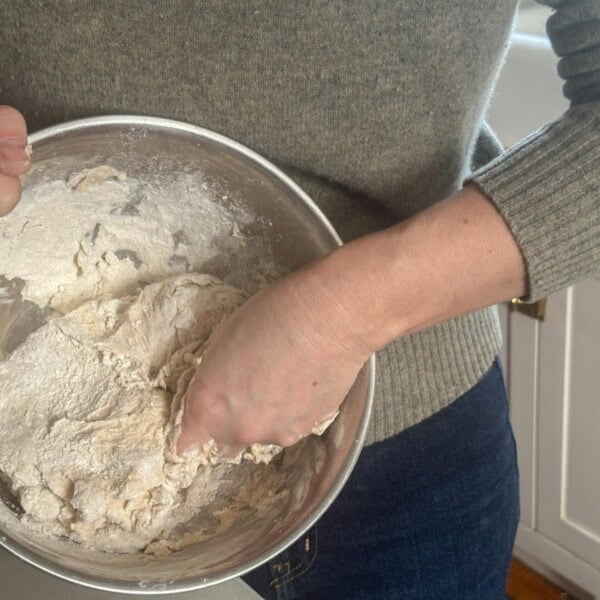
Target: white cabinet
569,412
553,380
552,371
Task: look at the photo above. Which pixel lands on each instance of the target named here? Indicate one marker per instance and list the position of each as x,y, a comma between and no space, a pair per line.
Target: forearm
448,260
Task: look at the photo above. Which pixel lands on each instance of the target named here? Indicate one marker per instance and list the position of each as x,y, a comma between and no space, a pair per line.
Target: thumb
195,437
192,436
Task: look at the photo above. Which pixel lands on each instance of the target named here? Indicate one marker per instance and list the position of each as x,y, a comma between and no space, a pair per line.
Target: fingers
12,125
14,159
192,436
10,192
206,418
197,415
229,452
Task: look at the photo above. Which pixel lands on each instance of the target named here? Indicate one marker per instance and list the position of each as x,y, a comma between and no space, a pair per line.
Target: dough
97,352
101,233
89,410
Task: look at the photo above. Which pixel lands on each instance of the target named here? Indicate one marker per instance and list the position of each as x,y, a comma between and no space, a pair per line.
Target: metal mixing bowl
287,230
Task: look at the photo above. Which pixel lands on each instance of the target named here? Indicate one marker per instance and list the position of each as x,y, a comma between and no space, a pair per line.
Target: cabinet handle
535,310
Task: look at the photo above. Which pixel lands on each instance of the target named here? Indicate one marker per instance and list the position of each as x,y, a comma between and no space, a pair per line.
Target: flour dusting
91,400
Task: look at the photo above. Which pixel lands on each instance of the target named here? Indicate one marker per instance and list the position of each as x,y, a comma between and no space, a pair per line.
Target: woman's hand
275,369
286,359
14,159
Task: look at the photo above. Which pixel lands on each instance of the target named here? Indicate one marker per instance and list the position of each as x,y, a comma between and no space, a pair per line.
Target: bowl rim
195,583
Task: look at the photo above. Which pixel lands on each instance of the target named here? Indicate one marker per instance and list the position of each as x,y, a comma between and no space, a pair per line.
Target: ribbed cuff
547,188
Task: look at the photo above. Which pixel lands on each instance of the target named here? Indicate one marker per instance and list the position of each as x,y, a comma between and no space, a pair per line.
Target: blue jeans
429,513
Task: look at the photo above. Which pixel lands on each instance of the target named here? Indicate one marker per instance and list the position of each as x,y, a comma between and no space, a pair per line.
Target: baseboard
556,564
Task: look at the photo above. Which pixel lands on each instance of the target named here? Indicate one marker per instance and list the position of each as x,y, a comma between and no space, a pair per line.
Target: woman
376,110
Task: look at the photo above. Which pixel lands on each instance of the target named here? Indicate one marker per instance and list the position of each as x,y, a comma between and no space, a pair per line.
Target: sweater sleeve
547,187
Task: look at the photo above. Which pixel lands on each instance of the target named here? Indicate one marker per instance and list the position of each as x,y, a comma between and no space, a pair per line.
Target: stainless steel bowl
287,231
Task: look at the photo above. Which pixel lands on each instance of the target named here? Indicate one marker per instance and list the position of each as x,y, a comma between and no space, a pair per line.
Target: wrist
355,291
451,259
329,306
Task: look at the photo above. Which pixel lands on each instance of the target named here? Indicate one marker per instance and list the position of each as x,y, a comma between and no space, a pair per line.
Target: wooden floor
524,584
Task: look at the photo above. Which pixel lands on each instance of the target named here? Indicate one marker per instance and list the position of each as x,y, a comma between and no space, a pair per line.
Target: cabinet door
568,469
521,339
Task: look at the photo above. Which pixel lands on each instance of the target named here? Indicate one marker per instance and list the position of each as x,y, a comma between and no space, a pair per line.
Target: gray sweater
374,107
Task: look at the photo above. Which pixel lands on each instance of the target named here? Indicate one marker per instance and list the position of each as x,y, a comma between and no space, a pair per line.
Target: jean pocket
295,562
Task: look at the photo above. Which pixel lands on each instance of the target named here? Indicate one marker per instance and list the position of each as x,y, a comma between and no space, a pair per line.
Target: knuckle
199,392
247,435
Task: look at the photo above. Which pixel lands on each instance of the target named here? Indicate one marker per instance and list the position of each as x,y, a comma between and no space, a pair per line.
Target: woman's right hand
14,159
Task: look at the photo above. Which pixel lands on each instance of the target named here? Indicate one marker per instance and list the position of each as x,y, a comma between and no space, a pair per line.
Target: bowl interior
257,226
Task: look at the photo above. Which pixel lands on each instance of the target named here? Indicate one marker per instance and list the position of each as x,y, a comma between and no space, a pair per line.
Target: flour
99,234
91,401
89,406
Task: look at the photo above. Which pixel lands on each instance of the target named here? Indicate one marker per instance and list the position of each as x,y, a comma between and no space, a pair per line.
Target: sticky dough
91,401
90,406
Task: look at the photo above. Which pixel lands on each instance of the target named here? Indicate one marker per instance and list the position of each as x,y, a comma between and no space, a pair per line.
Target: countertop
21,581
